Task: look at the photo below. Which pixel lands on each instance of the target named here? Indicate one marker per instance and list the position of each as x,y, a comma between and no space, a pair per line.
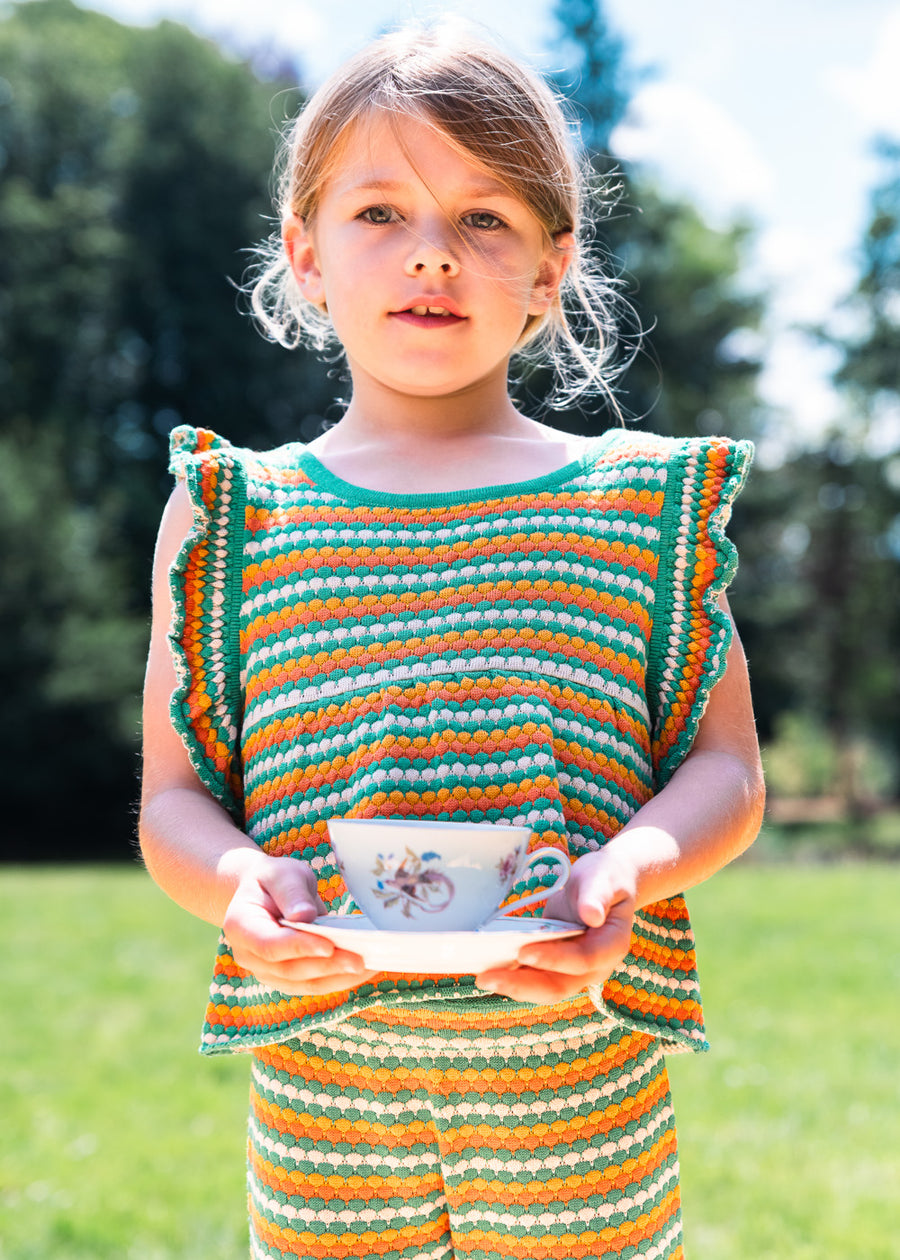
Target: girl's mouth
429,316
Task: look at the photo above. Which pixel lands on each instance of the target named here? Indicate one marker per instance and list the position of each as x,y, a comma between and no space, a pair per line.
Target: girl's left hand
601,893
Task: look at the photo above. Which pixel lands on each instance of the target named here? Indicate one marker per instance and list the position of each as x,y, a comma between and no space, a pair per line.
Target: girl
443,609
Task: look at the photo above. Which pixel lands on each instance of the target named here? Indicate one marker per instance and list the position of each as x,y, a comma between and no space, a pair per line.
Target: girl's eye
484,221
377,214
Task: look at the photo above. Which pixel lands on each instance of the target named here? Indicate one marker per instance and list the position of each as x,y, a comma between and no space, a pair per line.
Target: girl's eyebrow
487,188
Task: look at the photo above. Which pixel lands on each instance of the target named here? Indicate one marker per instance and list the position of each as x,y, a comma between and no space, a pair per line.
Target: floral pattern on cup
412,884
507,866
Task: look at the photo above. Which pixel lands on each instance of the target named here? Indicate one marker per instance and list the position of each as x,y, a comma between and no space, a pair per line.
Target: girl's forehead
378,150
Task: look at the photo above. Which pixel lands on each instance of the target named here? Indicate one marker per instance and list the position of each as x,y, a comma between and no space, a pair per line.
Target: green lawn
121,1143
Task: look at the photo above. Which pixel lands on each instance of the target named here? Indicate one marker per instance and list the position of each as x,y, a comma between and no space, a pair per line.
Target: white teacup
409,875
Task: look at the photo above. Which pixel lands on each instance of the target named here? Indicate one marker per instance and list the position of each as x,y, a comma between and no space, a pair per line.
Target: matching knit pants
403,1134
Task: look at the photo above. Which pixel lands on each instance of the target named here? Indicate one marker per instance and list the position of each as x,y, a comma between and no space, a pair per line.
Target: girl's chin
425,392
427,381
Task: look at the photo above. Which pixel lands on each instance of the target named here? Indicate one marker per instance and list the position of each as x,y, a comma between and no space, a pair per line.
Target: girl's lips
428,321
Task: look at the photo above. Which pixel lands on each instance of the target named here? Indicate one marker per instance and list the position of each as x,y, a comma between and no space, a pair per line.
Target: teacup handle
545,854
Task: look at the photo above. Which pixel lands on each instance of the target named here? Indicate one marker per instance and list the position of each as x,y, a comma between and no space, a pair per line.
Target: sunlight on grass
120,1140
790,1128
121,1143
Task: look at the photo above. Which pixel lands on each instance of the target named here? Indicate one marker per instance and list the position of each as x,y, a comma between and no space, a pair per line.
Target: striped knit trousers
401,1134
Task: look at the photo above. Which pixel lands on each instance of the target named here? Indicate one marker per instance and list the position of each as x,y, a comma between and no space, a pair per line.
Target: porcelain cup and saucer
433,894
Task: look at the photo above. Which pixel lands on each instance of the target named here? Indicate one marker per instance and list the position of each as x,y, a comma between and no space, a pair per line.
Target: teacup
410,875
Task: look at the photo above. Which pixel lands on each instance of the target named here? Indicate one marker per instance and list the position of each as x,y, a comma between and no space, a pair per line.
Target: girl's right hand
291,961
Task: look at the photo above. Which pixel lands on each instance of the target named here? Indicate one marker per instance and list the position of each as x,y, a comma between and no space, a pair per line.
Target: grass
790,1128
121,1142
809,841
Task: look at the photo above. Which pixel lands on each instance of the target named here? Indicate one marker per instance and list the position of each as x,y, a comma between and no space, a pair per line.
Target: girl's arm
196,853
709,812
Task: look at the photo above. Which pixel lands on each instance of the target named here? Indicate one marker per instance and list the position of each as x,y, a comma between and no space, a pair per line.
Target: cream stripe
593,1214
398,675
391,1217
360,1036
338,1162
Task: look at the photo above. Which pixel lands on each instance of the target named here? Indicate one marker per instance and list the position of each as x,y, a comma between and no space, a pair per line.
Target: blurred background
758,236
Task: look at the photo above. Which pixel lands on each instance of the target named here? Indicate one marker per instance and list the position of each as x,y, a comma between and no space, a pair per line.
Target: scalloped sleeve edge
205,582
687,654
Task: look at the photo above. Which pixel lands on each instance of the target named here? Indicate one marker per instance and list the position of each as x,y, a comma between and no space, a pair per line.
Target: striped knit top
537,653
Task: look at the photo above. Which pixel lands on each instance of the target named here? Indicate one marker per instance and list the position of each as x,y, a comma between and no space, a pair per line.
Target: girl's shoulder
191,445
628,444
681,468
216,470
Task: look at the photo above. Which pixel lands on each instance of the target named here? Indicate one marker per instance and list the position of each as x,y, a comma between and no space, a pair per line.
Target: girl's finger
340,967
324,984
262,938
597,949
527,985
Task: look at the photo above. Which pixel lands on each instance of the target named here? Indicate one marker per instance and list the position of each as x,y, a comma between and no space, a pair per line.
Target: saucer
436,953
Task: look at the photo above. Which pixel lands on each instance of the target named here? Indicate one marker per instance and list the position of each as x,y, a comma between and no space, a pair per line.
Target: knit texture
538,653
386,1137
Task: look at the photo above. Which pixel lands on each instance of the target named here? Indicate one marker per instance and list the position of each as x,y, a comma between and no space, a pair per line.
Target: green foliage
136,165
804,762
697,371
697,365
871,357
71,666
594,77
120,1141
801,761
818,536
813,595
838,546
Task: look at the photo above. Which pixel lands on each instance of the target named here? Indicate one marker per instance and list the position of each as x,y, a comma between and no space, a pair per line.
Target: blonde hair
494,111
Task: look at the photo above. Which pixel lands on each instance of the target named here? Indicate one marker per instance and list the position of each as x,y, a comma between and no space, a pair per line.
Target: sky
766,110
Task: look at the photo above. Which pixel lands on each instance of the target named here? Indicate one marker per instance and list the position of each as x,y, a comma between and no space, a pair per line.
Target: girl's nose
431,253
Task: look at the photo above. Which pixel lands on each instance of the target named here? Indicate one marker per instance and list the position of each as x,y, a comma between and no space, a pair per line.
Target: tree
857,560
136,168
870,370
696,369
71,664
821,543
593,77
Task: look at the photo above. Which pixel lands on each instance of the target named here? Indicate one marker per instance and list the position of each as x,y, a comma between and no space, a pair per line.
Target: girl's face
428,266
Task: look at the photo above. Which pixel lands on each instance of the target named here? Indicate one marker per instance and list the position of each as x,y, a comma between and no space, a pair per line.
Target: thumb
293,889
590,912
597,898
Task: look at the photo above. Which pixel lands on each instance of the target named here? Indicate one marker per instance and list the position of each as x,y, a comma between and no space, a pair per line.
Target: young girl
443,609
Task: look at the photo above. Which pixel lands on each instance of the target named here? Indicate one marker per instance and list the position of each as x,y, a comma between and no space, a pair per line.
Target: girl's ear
301,252
550,272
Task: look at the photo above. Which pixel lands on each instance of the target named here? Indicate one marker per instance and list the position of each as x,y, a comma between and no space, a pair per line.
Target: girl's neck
381,417
424,445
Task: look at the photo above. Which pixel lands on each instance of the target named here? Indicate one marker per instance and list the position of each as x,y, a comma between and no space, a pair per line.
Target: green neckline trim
327,480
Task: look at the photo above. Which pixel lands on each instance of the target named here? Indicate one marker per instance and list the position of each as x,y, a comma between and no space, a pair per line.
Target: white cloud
698,147
872,91
295,26
796,377
808,272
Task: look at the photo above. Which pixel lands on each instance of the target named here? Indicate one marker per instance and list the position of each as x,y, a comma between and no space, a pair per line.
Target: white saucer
436,953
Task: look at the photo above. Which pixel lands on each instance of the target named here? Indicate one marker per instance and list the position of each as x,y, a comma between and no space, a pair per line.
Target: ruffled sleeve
691,633
656,989
206,580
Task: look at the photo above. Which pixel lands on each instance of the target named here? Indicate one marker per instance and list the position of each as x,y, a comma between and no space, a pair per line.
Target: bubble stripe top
539,653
